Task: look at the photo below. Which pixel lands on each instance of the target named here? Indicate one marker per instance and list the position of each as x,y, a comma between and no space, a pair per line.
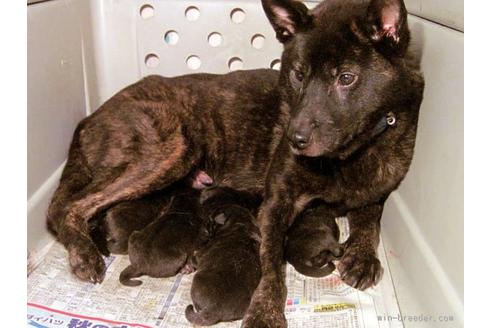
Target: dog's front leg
359,266
267,305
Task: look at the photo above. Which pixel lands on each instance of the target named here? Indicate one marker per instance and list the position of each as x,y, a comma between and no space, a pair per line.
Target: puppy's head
224,206
341,69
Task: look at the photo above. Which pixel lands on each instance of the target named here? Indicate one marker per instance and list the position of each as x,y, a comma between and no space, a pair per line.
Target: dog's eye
346,79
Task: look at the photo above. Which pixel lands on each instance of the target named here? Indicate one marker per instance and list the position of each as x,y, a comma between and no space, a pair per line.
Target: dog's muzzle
300,138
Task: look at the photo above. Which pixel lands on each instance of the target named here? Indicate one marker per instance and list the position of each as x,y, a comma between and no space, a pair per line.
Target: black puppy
312,242
164,248
111,230
228,268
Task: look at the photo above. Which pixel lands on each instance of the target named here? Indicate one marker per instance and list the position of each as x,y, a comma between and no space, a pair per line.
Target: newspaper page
58,299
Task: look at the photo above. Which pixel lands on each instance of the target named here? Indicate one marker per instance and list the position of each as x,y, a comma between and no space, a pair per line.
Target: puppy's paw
86,262
187,269
360,268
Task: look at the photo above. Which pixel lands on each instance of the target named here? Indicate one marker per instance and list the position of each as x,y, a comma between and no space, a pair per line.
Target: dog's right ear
287,17
387,25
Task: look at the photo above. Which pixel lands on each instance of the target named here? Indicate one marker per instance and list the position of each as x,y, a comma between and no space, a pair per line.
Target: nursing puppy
112,230
312,242
164,247
228,267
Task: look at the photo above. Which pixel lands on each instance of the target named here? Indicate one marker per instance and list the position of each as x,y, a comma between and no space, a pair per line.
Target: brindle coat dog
338,124
354,96
153,134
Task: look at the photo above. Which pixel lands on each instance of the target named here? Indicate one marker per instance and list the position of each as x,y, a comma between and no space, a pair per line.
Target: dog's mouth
340,150
318,149
312,150
339,144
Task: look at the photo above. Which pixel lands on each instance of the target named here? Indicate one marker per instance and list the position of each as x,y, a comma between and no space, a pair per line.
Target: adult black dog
338,124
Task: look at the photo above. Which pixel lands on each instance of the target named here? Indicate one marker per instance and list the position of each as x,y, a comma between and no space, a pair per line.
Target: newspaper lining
58,299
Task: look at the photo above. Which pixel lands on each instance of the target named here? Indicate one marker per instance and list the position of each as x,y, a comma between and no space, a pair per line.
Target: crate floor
58,299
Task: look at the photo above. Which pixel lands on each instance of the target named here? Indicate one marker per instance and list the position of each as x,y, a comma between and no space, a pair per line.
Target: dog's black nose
301,141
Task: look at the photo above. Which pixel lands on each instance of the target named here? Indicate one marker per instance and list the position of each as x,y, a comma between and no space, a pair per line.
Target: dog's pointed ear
287,17
387,25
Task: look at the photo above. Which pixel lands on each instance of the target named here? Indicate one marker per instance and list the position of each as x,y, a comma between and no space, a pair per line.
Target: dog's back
212,108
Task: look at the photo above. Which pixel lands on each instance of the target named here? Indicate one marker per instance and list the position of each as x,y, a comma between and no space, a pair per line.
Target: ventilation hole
237,15
193,62
235,63
146,11
214,39
151,60
275,64
192,13
171,37
258,41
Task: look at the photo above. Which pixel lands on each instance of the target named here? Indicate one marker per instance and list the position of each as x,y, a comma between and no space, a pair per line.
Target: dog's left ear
287,17
387,26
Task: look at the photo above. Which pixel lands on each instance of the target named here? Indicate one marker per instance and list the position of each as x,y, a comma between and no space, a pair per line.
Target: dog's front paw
258,320
360,268
262,315
266,309
86,262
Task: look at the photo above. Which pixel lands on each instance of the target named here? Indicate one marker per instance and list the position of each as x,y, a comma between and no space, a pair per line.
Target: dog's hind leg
98,232
158,167
74,178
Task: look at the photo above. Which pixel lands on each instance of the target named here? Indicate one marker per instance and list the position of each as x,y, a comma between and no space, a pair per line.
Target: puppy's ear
220,219
387,26
287,17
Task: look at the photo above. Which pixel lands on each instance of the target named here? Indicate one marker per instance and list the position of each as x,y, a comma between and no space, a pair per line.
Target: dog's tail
311,271
127,275
199,318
